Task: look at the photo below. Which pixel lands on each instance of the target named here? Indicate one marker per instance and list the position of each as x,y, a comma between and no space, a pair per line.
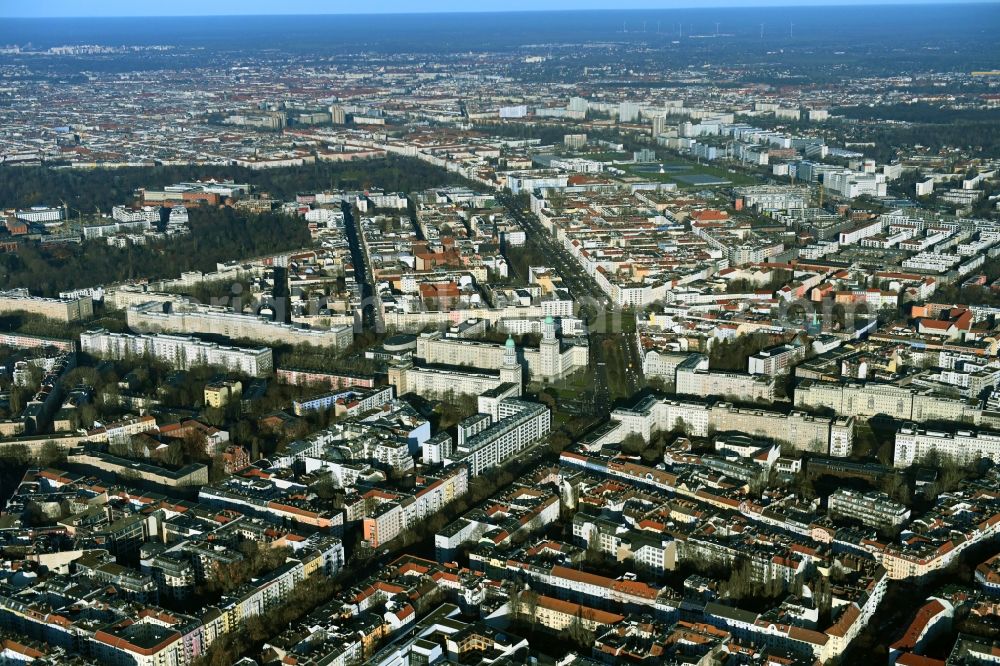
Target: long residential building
866,399
350,401
394,513
704,383
182,352
441,381
962,446
663,364
551,361
804,431
188,318
519,424
332,380
23,341
59,309
438,381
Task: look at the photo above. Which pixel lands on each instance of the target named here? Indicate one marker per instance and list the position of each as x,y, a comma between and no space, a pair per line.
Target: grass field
692,168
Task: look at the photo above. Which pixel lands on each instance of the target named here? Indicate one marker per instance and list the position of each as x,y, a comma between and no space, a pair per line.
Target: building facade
520,424
962,446
59,309
872,509
182,352
187,318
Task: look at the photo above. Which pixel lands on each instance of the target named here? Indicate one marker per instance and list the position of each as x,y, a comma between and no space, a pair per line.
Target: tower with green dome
549,359
511,371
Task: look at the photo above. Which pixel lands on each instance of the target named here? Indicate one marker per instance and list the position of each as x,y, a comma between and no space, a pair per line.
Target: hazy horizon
182,8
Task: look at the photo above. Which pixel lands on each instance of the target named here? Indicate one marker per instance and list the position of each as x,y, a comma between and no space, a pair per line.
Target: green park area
689,174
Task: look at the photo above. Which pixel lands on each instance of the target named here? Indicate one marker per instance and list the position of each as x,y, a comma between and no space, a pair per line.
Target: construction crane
67,208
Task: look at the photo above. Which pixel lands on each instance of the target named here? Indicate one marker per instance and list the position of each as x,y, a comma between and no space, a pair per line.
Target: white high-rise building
437,448
519,111
40,214
659,125
628,112
850,184
549,361
519,424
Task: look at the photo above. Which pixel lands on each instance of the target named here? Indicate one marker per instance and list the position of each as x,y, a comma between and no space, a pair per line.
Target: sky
104,8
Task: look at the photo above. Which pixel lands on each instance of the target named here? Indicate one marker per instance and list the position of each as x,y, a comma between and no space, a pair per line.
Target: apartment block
872,508
345,402
549,362
520,424
775,361
189,318
901,402
180,351
804,431
64,310
706,383
963,446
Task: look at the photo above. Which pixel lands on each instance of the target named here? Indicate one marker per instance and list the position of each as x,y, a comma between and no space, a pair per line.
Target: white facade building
519,425
962,446
181,352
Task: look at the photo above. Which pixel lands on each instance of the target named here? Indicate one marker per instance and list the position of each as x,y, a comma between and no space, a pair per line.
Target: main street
581,285
371,314
607,323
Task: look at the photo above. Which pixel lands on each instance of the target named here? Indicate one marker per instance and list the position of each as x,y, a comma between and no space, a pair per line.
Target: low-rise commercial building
189,475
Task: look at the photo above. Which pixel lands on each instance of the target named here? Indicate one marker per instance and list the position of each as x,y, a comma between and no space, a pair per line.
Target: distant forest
217,234
919,112
90,189
976,131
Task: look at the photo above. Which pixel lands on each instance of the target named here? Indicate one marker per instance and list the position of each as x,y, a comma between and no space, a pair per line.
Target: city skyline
457,333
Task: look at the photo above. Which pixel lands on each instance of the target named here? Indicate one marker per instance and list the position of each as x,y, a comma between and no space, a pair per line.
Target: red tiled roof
909,639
